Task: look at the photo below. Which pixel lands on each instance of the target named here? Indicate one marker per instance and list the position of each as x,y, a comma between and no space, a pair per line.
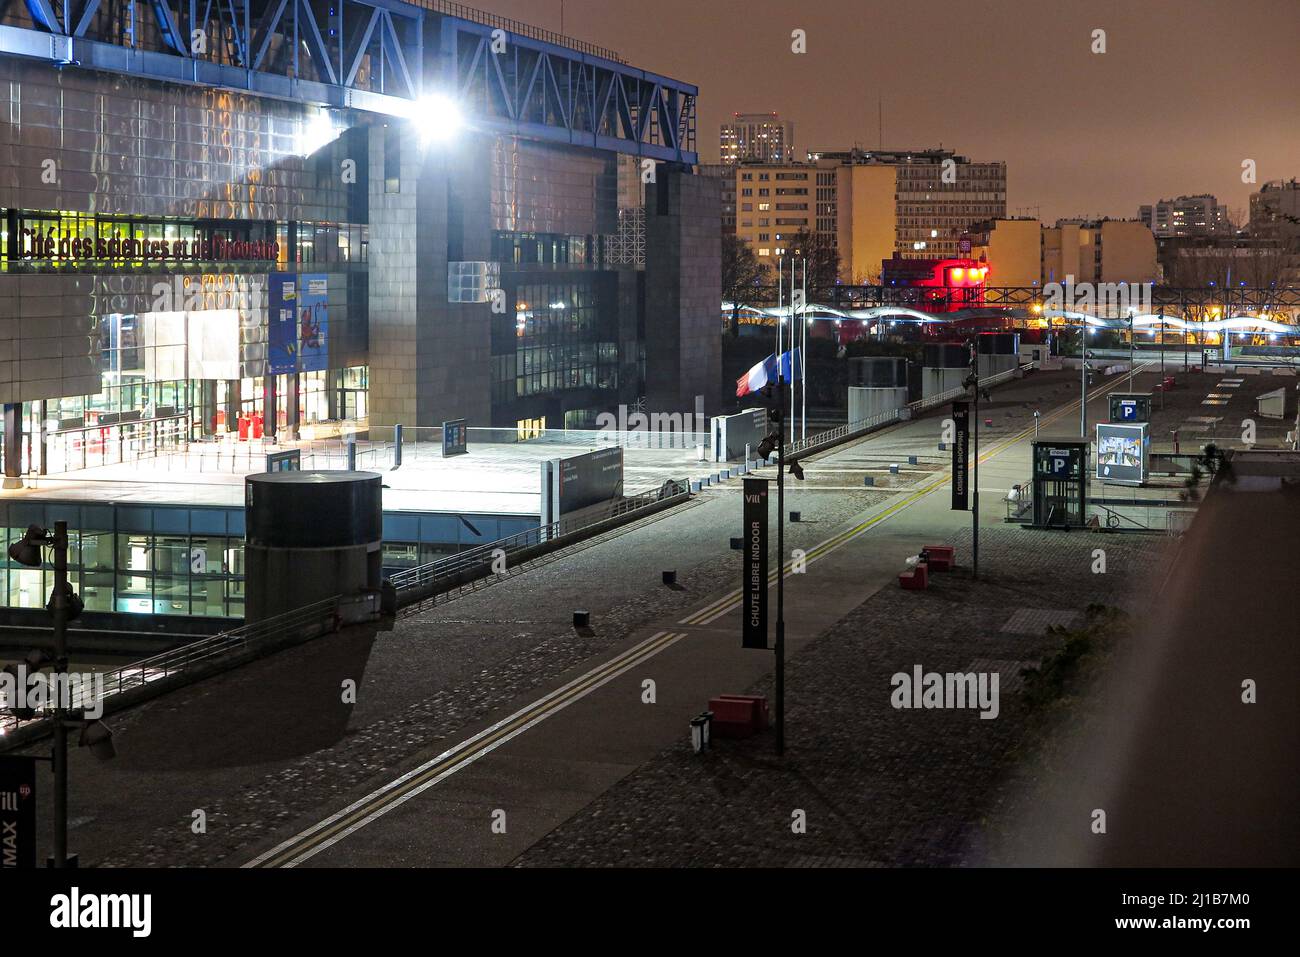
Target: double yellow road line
375,805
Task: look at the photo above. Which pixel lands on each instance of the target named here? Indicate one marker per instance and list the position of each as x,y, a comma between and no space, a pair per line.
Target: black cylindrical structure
310,536
998,343
947,355
878,372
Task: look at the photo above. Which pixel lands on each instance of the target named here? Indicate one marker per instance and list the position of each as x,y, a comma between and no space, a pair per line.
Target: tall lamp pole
59,609
973,382
780,552
63,606
1083,378
1131,345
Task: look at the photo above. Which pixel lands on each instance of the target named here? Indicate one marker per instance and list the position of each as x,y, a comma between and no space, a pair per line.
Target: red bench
738,716
915,578
757,705
942,558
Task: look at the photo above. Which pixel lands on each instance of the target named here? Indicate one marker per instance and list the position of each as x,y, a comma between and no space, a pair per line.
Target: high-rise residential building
726,175
1022,252
1012,248
1199,215
869,205
1275,211
1107,250
758,138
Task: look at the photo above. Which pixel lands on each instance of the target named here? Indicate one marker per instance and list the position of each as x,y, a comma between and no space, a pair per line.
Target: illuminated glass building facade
183,262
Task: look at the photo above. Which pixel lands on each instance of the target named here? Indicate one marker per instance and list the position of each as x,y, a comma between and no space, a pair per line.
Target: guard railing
851,429
477,560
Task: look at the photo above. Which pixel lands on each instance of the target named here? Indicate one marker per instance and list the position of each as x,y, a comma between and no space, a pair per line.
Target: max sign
753,583
17,812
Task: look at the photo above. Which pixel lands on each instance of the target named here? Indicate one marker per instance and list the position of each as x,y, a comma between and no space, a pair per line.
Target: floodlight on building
316,132
437,118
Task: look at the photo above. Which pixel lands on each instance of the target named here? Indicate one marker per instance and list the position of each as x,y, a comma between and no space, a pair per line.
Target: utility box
310,536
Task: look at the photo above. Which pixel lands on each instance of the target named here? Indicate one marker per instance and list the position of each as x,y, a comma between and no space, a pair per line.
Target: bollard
794,516
893,470
695,486
697,733
911,460
868,480
670,578
943,446
582,619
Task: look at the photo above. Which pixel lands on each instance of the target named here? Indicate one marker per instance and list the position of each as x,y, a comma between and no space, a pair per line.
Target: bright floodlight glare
437,118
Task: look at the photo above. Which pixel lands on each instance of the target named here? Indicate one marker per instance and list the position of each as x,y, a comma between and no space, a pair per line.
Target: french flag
766,371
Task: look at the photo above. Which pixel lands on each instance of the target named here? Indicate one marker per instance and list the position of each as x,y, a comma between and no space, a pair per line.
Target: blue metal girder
536,88
87,15
43,14
168,26
555,93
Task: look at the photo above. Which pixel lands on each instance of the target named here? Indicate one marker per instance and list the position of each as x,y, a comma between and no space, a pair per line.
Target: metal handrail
326,613
884,418
452,565
518,26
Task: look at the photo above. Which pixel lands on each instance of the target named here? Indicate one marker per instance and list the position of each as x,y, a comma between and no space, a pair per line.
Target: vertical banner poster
960,448
313,323
17,812
455,437
753,585
282,323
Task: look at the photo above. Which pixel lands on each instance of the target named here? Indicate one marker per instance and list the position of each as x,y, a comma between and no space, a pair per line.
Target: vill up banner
753,583
960,448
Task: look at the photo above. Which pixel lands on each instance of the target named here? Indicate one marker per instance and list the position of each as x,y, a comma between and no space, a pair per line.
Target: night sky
1186,91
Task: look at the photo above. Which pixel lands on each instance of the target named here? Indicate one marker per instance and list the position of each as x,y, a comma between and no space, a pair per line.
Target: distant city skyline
1083,134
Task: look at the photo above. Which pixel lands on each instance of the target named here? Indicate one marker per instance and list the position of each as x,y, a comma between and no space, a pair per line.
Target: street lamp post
1131,345
59,610
1083,380
63,605
780,558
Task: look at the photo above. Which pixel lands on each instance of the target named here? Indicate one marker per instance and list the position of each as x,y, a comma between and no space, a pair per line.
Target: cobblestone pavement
441,669
271,744
878,786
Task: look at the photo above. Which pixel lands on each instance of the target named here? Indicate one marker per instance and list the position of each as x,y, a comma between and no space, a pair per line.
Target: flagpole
792,342
803,358
780,304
